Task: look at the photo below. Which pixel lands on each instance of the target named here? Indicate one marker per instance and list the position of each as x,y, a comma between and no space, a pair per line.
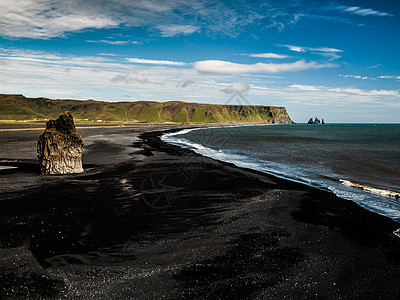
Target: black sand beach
147,220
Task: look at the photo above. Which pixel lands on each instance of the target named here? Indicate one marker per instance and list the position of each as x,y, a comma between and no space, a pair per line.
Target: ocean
358,162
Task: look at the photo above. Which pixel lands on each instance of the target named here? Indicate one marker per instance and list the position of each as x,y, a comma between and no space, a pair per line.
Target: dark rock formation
315,121
60,147
279,115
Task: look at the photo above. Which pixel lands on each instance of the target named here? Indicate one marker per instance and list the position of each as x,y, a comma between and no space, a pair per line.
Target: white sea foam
167,137
372,190
7,167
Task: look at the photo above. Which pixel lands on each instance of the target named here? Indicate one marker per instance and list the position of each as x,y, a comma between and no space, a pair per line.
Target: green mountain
18,107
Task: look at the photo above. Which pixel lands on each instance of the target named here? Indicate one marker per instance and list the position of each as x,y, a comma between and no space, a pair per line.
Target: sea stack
60,147
315,121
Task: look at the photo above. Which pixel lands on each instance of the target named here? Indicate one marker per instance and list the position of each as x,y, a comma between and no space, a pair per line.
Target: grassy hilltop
18,107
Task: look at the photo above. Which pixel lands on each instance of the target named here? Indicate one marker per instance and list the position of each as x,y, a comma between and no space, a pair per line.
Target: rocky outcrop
280,116
60,147
315,121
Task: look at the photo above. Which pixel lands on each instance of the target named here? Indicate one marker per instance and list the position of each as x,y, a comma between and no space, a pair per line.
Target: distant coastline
19,109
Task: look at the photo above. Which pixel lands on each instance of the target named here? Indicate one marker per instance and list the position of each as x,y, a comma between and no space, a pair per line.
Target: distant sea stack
316,121
18,107
60,147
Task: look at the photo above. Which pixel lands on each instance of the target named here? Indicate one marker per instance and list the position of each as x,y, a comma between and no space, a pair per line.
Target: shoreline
157,142
368,189
321,166
162,221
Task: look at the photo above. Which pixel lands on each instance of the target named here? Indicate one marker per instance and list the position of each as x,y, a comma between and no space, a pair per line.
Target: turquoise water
358,162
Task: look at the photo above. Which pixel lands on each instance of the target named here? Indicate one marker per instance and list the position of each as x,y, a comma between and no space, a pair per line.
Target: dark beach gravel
147,220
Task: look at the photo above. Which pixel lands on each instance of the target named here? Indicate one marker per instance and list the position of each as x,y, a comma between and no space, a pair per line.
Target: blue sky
338,60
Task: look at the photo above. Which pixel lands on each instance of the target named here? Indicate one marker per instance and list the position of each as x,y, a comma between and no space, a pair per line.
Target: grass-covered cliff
18,107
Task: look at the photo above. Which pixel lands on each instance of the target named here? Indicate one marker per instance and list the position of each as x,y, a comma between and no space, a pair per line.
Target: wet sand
147,220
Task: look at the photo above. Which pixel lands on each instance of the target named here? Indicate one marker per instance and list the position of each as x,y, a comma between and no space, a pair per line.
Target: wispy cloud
226,67
156,62
357,77
374,66
113,42
43,19
127,79
325,49
295,48
340,96
185,84
305,87
331,53
390,77
397,77
268,55
174,30
46,18
362,92
356,10
107,54
237,87
283,18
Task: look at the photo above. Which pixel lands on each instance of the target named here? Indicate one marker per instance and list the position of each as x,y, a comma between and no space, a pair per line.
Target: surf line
384,193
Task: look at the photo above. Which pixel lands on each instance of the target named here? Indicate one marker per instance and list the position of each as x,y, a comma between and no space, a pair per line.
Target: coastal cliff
18,107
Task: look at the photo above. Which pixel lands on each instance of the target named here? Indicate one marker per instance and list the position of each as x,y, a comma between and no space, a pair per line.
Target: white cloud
174,30
331,53
156,62
301,99
397,77
295,48
226,67
325,49
185,84
268,55
47,18
374,66
127,79
364,11
108,54
304,87
370,92
237,87
281,18
350,76
385,92
112,42
53,18
357,77
340,93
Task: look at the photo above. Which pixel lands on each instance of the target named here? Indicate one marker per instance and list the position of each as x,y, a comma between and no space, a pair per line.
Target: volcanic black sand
147,220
